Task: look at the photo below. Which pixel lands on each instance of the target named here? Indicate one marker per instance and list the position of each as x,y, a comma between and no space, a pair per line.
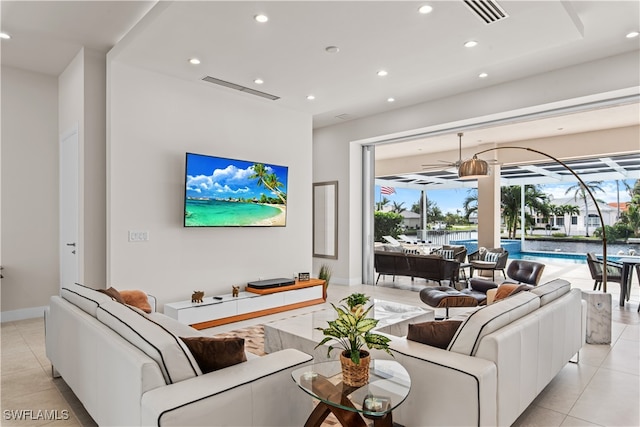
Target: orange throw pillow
137,299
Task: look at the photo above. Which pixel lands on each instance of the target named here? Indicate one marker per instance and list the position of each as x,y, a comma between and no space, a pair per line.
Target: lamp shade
474,168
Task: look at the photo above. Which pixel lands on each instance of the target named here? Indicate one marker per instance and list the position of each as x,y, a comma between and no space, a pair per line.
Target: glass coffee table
389,385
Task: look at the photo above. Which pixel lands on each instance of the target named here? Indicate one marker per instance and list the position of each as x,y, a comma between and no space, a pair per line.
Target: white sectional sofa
129,368
499,360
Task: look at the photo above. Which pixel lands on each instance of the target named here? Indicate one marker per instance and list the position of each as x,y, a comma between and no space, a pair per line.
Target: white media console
248,304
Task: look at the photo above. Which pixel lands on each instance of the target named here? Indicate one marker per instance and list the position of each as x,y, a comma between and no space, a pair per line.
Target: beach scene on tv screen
226,192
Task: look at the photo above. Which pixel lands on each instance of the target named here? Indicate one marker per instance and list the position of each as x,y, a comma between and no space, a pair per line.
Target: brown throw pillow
113,293
505,290
436,334
216,353
137,299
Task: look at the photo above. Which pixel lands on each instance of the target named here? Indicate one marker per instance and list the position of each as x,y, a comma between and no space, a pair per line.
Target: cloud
609,195
199,183
225,189
228,181
232,174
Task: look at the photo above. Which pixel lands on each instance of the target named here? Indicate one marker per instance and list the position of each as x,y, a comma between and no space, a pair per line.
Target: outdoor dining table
628,264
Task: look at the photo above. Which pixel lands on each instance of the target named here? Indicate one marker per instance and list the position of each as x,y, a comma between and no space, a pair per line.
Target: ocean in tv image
221,192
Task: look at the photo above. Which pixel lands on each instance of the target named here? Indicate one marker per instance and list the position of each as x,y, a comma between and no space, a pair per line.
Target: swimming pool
564,257
561,257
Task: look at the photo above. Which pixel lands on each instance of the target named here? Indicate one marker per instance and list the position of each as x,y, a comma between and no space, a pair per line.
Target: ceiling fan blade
439,166
441,163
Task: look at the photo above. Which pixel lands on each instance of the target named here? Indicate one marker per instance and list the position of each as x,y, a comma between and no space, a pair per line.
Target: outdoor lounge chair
489,259
614,271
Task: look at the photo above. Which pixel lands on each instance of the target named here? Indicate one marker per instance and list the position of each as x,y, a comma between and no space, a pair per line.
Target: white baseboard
22,314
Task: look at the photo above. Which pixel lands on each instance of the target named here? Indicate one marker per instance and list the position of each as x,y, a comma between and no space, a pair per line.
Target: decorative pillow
113,293
436,334
216,353
446,253
137,299
505,290
491,256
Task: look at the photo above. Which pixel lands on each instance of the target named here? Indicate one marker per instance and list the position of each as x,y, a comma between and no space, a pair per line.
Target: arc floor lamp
476,168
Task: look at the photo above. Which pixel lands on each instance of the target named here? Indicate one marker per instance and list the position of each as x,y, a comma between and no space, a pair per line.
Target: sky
221,178
451,200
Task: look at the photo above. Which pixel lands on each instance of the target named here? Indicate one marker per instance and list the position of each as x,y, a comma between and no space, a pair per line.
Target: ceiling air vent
240,88
487,10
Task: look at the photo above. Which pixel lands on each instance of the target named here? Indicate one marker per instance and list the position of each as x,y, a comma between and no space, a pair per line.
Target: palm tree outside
398,207
580,192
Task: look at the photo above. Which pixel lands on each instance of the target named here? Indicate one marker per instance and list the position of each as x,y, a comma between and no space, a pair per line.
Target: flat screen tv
221,192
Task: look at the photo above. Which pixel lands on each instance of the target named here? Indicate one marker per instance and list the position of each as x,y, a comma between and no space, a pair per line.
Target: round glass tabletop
389,385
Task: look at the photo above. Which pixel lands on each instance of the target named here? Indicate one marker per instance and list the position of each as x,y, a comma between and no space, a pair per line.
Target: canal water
580,247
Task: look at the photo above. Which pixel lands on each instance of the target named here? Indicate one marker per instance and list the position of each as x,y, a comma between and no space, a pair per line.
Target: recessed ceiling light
471,43
391,99
311,97
194,61
258,81
5,36
425,9
633,34
332,49
261,18
483,75
382,73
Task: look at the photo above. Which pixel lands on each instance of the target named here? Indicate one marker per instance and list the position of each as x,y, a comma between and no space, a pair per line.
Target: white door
69,207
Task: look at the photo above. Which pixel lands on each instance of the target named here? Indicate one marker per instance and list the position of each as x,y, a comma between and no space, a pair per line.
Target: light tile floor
602,390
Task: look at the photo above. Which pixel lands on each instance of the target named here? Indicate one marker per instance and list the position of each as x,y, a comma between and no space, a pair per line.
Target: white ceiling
423,54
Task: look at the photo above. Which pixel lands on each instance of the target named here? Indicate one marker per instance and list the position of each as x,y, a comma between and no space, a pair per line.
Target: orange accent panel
254,314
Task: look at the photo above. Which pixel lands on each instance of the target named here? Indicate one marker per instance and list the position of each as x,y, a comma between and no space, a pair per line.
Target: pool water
565,258
562,257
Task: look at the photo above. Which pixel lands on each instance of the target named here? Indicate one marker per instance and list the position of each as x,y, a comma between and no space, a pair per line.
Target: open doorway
576,133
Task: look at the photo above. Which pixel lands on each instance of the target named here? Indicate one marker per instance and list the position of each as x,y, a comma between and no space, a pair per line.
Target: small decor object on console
304,277
235,290
197,296
352,330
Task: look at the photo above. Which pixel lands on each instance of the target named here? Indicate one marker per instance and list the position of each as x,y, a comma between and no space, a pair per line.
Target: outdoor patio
577,274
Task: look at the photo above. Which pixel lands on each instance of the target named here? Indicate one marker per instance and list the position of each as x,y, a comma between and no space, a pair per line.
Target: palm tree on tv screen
269,180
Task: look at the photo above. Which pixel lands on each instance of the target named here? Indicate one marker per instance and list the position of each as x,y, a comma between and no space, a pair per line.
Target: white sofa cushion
167,349
83,297
551,290
489,319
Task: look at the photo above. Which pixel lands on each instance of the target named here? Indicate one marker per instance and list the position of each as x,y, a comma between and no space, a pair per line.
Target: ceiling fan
443,164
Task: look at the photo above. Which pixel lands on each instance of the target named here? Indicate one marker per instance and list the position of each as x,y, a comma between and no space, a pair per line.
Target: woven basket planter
355,375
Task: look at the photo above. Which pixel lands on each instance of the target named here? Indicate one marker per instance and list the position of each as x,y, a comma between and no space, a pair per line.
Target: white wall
29,192
82,99
153,120
335,142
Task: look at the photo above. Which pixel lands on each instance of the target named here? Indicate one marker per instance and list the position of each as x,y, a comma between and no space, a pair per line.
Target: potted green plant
325,274
352,331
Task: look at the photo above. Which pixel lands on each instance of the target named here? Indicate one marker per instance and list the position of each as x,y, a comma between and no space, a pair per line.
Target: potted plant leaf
325,274
352,331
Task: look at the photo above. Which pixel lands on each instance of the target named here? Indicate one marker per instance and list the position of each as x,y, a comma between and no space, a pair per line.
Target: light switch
138,236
